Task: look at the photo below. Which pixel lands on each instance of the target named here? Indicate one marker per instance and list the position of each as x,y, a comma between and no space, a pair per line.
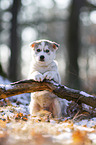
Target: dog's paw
37,76
48,76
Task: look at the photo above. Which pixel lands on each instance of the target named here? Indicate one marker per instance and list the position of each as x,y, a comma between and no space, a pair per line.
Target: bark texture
28,86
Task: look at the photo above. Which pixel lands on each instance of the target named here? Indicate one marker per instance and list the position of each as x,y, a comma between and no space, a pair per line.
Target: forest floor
18,127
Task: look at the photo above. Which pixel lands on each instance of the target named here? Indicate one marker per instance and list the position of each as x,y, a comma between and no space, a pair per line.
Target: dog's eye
38,50
47,51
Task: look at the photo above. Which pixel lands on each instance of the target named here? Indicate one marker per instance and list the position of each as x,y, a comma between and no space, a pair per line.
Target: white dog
43,67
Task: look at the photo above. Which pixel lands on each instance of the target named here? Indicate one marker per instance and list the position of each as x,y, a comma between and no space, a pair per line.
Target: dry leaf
80,138
2,124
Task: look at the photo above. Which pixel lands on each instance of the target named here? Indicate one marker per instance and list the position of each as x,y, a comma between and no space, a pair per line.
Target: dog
44,66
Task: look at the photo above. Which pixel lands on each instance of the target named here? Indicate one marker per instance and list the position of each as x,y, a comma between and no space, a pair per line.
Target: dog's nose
42,58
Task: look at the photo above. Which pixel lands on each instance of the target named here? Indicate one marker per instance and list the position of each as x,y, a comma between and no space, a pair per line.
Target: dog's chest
43,69
44,98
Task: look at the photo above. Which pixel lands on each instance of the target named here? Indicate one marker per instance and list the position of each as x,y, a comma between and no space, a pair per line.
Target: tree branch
28,86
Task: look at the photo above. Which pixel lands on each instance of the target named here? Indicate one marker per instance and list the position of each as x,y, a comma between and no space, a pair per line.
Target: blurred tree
14,43
48,19
74,43
2,73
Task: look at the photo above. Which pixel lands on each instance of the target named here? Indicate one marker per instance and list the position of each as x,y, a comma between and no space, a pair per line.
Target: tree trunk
74,44
14,43
2,73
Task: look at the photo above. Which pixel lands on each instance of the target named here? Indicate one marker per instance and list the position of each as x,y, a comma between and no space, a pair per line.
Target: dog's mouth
42,58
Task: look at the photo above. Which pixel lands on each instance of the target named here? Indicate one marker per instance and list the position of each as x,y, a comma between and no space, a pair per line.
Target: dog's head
43,51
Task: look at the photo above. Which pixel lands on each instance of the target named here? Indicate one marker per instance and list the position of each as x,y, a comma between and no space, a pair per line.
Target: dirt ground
21,128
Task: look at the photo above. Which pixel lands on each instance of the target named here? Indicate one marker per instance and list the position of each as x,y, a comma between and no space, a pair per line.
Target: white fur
42,43
39,71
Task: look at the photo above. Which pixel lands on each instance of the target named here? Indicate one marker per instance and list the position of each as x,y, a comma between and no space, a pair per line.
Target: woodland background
71,23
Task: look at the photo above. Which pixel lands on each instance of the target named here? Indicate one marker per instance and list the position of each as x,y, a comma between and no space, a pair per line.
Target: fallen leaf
2,124
80,138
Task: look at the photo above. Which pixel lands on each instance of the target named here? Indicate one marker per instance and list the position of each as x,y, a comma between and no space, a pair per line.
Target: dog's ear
55,45
32,44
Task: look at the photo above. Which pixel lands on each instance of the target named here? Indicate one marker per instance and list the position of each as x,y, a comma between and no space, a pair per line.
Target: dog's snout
42,58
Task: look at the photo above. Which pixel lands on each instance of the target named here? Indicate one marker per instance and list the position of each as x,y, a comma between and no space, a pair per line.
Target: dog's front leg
34,107
57,109
37,76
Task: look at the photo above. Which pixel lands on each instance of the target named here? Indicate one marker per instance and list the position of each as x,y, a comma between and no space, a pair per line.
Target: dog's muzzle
42,58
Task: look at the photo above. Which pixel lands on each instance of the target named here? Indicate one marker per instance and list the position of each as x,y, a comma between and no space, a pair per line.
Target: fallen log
28,86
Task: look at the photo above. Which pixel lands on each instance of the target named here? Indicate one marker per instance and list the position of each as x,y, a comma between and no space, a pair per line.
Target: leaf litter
18,127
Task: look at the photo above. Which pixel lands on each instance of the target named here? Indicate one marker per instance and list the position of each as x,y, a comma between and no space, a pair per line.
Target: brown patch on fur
32,45
54,46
